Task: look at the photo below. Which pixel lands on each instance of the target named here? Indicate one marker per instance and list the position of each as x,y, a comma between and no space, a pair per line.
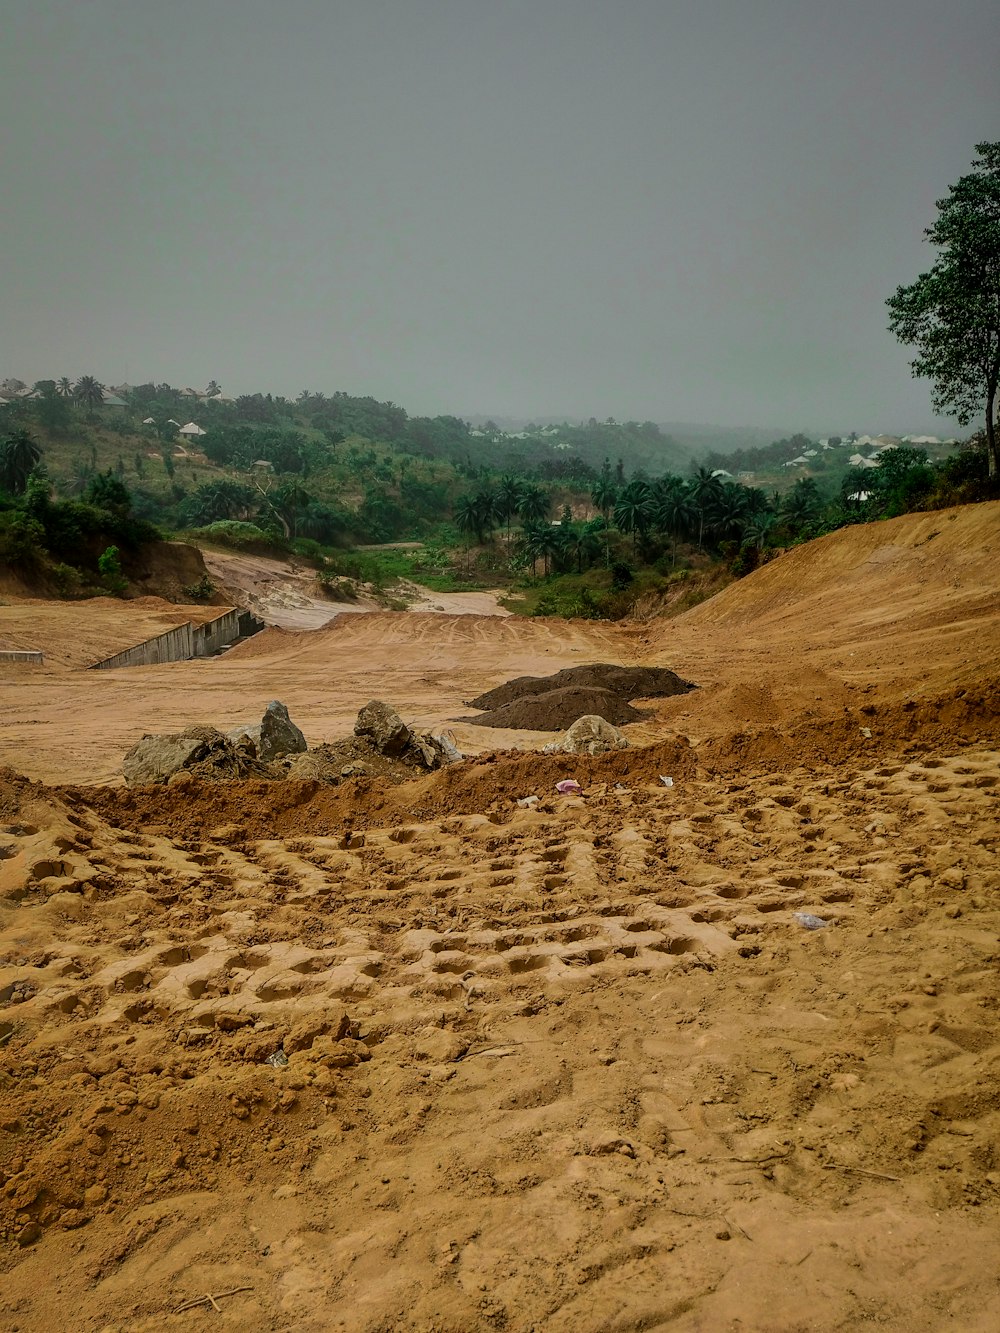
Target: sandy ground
580,1067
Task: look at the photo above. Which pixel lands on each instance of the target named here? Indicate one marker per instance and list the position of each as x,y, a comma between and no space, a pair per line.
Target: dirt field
578,1067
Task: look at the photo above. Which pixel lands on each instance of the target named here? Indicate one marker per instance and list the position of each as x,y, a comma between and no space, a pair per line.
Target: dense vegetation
86,476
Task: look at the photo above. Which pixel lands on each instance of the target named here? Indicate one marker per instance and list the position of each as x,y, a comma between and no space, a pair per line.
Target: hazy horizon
673,212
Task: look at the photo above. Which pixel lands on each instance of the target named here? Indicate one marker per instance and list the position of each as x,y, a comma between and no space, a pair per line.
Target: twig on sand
735,1226
858,1170
495,1051
210,1298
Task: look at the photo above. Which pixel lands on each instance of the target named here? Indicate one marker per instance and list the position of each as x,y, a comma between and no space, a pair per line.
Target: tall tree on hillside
730,512
64,387
89,392
705,489
534,505
634,510
19,456
951,313
508,500
604,494
802,504
674,512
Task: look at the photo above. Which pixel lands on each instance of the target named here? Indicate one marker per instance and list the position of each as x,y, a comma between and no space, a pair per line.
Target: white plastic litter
528,802
667,782
809,921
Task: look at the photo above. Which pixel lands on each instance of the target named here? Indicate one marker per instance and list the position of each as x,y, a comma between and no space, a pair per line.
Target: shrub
66,579
110,567
200,591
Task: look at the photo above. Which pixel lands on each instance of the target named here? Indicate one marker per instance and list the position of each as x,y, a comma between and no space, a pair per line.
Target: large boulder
384,728
588,735
157,758
276,734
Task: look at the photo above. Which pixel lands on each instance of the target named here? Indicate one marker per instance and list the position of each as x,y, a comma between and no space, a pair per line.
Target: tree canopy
951,313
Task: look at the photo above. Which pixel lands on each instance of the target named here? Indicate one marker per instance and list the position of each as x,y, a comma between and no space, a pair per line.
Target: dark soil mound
557,709
626,682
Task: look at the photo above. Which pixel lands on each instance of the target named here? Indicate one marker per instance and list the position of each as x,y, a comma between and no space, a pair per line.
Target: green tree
730,512
88,392
674,512
53,413
604,494
64,387
705,489
291,500
110,566
757,530
19,456
951,313
534,505
634,510
508,500
541,542
466,517
802,505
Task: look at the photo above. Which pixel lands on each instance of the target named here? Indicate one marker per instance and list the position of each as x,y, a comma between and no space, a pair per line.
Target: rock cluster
382,746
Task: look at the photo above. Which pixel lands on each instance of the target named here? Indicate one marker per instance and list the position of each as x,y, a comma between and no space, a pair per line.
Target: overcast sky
665,209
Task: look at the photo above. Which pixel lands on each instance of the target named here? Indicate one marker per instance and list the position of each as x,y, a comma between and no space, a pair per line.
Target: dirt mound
626,682
554,710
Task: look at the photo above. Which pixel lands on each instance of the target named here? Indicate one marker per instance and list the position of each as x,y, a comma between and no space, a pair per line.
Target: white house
191,431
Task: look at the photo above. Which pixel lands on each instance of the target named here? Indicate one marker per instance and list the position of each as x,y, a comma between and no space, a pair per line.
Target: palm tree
605,496
81,474
89,392
540,542
802,504
64,388
674,512
583,543
729,512
509,495
466,516
757,530
705,490
485,502
19,456
291,499
634,510
534,505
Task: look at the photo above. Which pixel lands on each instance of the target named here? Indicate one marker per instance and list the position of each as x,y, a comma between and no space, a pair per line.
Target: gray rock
383,726
156,758
274,736
588,735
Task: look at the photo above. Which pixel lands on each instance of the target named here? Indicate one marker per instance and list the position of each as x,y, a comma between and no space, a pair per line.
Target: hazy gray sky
667,209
